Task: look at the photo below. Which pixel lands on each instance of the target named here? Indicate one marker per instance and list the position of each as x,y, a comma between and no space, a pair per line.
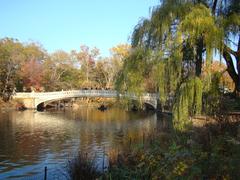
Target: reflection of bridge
33,99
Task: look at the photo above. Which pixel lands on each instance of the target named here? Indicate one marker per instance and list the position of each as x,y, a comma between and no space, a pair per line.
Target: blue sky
66,24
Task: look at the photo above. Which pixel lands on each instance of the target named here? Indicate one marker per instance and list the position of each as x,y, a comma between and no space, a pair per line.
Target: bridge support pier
28,103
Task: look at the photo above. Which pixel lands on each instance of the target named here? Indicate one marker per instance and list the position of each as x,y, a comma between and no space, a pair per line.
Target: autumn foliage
32,75
28,67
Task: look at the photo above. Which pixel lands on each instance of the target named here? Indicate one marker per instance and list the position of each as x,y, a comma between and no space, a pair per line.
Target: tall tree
32,75
11,57
228,16
87,58
31,71
60,71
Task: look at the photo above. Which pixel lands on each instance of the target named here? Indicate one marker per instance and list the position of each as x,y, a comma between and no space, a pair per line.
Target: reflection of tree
109,129
164,123
29,138
18,142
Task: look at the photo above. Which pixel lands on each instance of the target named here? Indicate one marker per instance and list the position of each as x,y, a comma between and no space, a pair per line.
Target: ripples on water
31,140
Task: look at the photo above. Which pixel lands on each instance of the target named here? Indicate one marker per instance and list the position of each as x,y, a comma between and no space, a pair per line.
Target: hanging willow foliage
135,69
167,74
199,24
188,103
132,77
212,99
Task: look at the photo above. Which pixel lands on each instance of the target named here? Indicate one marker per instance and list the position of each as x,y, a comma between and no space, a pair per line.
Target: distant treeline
28,67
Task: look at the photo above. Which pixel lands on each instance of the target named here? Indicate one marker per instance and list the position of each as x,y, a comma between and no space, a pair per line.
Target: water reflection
31,140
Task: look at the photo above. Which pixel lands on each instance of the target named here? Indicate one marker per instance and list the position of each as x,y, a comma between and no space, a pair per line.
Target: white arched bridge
33,99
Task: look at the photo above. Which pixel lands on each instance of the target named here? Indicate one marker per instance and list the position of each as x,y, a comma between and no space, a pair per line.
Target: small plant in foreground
82,167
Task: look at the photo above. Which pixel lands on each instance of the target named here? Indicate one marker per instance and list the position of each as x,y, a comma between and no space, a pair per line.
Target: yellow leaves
121,50
180,168
140,165
217,67
148,160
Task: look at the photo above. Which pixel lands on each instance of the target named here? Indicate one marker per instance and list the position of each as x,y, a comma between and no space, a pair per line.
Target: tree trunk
199,59
227,52
214,6
5,92
238,66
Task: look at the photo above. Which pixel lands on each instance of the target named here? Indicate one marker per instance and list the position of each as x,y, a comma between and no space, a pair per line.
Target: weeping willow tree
200,35
131,78
179,37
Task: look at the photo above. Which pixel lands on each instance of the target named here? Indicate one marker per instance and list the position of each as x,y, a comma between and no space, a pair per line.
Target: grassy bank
211,151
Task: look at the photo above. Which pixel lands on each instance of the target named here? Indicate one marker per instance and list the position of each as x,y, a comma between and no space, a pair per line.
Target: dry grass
82,167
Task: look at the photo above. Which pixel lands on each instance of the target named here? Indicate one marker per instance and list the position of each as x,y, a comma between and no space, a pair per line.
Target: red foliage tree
32,74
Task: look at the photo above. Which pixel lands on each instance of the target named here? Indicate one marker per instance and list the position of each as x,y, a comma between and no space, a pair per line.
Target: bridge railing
70,93
35,94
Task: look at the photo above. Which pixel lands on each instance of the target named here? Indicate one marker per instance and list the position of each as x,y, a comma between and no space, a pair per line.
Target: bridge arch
42,104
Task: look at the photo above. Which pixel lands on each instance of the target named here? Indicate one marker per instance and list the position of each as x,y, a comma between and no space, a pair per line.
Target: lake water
30,140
